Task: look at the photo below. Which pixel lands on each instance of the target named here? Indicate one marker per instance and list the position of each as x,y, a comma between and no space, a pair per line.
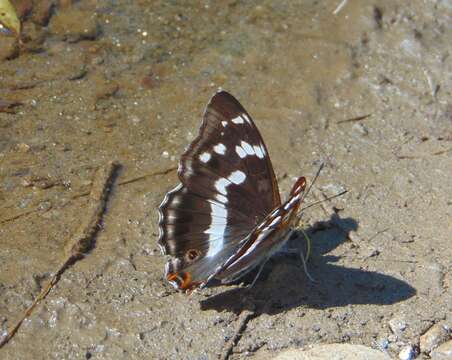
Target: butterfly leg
244,272
296,250
303,258
261,267
305,268
308,253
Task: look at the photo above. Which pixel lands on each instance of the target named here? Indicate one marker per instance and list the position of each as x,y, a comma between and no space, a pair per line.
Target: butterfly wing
227,187
265,239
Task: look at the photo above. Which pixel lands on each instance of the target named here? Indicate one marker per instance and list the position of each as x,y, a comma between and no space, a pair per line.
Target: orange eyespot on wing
192,254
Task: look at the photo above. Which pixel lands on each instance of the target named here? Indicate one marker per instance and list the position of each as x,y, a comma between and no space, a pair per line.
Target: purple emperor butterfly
226,216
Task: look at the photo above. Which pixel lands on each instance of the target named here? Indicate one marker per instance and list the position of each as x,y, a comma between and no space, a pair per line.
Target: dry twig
9,106
340,7
244,318
423,156
82,242
353,119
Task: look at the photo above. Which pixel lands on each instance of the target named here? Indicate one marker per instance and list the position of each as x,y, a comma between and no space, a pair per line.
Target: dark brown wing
228,187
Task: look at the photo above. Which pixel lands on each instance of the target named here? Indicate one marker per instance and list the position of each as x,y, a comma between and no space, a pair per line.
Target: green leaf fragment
9,21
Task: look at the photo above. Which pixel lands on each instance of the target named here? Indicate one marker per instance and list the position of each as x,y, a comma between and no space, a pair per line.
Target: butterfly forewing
228,187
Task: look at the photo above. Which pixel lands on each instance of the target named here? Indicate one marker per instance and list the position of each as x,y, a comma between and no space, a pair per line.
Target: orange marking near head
181,280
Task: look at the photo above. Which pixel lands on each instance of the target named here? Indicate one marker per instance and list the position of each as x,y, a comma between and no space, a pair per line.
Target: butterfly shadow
283,284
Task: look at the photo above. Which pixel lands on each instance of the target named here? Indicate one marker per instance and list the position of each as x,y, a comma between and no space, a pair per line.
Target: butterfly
226,217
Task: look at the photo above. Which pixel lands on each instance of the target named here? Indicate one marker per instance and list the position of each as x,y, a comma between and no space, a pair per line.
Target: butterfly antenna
323,200
299,217
309,189
303,258
313,181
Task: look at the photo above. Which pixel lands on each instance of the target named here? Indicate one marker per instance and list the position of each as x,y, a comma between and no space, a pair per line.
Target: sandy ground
366,90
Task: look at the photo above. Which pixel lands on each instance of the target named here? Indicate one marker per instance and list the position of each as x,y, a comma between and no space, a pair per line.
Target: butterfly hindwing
264,240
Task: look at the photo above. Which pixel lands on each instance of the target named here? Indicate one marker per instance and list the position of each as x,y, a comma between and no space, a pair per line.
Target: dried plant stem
340,7
244,318
82,242
356,118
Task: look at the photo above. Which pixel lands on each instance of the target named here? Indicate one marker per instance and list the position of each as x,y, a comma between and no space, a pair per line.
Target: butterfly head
291,206
180,279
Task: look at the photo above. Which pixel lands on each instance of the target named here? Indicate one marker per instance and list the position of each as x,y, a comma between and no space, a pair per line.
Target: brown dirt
97,81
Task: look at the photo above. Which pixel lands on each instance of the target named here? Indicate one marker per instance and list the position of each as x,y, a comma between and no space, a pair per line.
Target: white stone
333,352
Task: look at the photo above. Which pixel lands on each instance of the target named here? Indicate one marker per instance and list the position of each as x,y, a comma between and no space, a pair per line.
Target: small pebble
397,326
163,293
45,206
384,344
407,353
373,252
316,328
23,148
360,129
442,352
434,336
26,182
330,351
392,338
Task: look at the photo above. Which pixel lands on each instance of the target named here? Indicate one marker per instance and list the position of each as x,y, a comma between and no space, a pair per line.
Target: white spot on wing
205,157
275,221
258,151
216,231
274,212
237,177
221,198
224,123
221,184
248,120
290,204
217,228
247,147
238,120
220,149
240,152
295,199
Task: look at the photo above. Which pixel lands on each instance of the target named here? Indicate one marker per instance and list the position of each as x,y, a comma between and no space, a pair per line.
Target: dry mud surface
366,90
